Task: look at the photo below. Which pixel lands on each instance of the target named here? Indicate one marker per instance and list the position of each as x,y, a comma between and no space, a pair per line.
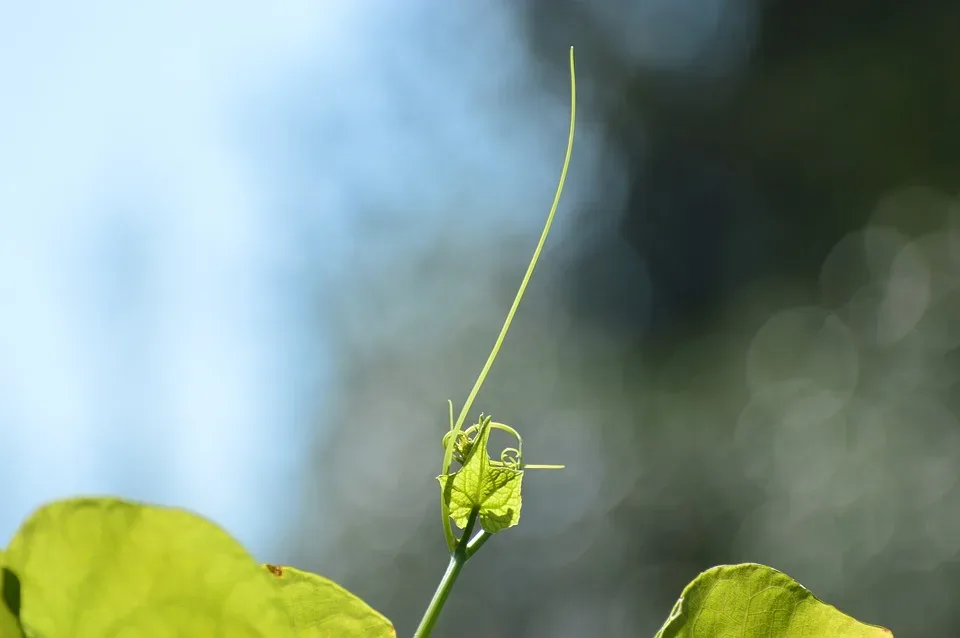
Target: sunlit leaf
320,608
91,568
495,490
755,601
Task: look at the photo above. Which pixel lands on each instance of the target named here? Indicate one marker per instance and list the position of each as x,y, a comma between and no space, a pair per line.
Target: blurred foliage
729,375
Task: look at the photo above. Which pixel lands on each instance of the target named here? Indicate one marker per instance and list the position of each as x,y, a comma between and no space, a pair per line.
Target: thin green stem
467,530
457,560
448,453
430,617
477,542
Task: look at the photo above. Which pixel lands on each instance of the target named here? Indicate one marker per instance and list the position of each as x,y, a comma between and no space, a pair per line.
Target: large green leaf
750,600
320,608
493,489
105,567
91,568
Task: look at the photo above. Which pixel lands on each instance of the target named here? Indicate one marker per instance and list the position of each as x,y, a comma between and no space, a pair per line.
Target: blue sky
141,342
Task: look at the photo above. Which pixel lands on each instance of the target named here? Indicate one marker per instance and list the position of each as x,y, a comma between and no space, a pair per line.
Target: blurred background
248,250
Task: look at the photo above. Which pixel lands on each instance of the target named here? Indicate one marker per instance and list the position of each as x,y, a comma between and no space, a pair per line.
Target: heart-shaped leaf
494,489
756,601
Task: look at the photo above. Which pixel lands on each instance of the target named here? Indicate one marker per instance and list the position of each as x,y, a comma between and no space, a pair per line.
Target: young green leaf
493,489
756,601
320,608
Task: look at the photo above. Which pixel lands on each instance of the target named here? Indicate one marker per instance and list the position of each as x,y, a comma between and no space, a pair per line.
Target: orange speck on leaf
276,570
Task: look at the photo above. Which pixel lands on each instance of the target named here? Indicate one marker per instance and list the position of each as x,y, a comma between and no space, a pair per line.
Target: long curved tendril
455,428
511,457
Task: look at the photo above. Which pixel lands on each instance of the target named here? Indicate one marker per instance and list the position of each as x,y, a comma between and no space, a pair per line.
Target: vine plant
106,567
